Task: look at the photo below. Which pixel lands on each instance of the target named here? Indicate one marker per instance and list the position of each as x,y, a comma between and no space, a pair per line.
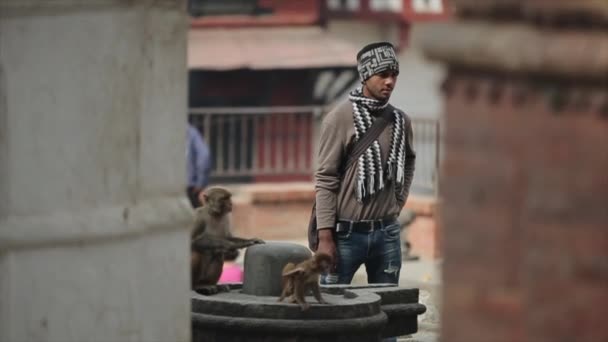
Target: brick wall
273,212
525,195
524,183
424,234
282,212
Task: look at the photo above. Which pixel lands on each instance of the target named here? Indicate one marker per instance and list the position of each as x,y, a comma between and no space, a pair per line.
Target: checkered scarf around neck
371,174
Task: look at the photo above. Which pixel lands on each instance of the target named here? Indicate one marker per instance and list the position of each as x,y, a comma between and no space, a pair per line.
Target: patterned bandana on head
376,58
371,175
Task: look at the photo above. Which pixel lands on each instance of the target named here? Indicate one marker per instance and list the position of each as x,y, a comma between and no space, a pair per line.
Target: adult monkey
212,237
356,209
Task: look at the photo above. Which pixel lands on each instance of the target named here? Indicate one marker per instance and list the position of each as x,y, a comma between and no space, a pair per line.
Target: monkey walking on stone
212,238
299,279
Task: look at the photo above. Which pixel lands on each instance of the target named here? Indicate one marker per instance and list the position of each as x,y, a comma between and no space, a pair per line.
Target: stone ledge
157,214
422,205
275,197
304,192
482,44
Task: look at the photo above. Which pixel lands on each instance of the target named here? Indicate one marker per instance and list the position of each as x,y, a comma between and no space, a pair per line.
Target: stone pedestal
252,312
93,220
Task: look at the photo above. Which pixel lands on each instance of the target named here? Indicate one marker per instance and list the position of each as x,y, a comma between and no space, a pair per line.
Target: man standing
357,208
198,165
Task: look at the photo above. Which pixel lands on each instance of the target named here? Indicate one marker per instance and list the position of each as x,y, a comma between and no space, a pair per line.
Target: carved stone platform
354,313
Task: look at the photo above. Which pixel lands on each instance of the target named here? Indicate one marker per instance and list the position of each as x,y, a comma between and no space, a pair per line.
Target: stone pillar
524,184
93,220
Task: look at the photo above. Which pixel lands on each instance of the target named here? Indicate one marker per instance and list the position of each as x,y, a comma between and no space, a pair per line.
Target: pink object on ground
231,273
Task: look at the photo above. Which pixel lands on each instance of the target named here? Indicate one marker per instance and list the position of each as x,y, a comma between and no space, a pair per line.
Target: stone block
264,264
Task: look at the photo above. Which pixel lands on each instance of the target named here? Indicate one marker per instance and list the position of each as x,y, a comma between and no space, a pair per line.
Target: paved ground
421,336
425,275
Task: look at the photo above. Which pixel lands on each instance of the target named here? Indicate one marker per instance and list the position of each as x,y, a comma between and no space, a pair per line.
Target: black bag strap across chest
369,137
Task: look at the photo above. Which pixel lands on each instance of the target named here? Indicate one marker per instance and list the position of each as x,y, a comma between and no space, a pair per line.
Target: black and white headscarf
371,174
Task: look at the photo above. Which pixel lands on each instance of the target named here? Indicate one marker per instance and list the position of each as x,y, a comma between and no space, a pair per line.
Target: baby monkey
299,279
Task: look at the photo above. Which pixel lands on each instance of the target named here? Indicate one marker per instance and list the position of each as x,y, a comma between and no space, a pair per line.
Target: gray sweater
335,195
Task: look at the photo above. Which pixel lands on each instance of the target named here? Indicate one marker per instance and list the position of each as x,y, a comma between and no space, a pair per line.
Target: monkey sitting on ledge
299,279
212,238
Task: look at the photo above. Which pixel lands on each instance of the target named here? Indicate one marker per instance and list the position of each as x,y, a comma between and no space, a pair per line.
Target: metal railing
247,142
426,145
277,142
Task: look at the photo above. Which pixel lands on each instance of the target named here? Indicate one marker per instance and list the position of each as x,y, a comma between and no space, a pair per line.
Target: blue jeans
379,251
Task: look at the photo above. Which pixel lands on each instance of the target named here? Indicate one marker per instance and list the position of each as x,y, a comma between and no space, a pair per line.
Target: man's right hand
327,245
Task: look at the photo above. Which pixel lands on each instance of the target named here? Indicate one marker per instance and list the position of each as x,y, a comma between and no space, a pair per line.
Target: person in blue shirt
198,165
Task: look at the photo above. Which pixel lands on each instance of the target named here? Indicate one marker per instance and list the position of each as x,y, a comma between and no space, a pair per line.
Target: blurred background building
259,73
262,73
